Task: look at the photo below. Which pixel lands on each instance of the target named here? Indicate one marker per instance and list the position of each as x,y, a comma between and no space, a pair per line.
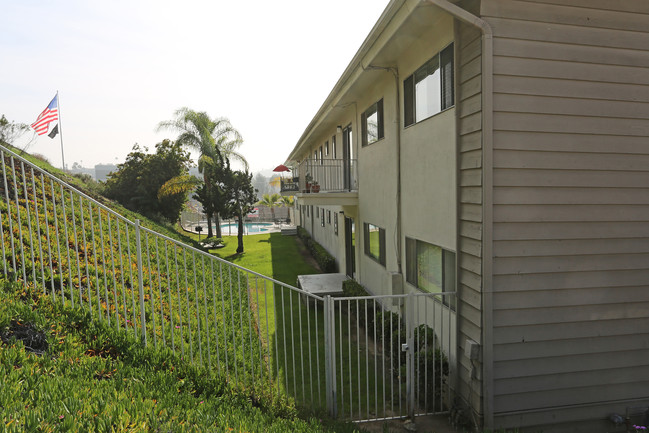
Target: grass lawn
300,340
299,347
269,254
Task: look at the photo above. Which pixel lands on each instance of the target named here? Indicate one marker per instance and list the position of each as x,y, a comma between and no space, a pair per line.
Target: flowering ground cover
76,249
60,370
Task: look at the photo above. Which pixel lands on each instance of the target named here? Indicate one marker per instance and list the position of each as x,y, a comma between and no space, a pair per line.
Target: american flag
50,114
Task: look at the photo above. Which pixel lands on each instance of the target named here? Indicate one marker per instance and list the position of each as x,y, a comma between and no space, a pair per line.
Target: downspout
487,198
395,72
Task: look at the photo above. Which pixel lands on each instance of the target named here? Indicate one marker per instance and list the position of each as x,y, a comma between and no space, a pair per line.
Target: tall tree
216,141
137,181
240,198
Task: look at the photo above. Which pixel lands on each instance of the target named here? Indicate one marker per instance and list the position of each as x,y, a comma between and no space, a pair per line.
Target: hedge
326,261
391,328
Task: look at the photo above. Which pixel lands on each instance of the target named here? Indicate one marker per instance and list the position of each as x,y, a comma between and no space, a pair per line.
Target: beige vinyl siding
571,209
469,256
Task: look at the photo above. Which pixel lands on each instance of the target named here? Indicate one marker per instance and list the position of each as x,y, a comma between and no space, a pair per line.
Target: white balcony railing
331,175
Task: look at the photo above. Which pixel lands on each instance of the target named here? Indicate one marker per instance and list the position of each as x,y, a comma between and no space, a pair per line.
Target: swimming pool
248,228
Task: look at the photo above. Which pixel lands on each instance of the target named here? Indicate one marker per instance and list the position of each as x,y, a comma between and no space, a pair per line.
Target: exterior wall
377,185
469,208
428,185
571,211
325,236
428,167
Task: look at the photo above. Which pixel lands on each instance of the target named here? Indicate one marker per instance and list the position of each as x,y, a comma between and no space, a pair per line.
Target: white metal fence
390,356
259,332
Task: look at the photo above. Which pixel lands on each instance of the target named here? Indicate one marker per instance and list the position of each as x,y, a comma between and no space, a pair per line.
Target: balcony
326,181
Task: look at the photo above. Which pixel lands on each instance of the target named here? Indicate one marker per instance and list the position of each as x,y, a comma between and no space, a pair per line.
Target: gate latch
404,347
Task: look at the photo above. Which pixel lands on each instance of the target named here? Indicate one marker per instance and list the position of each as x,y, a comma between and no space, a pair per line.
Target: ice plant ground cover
79,251
60,370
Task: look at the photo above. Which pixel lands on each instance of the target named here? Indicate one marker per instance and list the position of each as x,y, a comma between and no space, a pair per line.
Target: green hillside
60,370
108,326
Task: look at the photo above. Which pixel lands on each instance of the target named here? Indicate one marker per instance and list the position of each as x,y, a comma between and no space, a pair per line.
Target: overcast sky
123,66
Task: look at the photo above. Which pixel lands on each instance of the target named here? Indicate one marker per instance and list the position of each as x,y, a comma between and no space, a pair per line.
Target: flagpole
58,102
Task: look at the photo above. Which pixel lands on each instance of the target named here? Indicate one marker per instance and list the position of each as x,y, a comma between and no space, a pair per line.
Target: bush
326,261
391,328
90,185
353,288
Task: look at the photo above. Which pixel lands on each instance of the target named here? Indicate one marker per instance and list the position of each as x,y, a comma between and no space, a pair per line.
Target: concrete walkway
423,424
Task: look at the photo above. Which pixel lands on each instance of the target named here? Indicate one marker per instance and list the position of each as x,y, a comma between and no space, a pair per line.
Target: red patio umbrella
281,168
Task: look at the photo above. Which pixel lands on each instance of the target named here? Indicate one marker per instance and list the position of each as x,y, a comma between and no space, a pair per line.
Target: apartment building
499,149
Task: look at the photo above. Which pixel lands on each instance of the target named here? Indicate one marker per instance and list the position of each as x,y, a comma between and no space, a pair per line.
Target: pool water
248,228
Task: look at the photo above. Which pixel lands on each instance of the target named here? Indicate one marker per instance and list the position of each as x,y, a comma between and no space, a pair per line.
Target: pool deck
274,228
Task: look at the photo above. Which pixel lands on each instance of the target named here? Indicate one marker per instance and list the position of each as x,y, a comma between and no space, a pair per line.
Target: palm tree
217,142
271,201
287,201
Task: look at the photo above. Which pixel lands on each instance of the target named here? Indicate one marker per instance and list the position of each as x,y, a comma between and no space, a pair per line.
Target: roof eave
355,64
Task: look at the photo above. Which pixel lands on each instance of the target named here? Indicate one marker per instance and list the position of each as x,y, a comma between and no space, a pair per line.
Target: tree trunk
209,226
210,233
240,233
217,222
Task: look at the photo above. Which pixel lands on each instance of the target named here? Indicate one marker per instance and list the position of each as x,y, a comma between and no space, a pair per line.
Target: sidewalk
423,424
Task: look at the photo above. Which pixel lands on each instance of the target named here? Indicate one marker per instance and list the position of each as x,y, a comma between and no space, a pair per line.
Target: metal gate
389,356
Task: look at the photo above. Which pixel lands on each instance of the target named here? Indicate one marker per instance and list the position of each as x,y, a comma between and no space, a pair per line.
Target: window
372,123
333,145
430,89
322,221
374,239
321,159
336,223
326,148
429,267
328,217
315,155
317,212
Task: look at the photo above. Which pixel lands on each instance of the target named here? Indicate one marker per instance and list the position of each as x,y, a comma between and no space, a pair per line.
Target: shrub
326,261
89,185
353,288
390,328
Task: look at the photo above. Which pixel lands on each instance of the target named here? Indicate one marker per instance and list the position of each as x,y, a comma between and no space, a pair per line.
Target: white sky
122,66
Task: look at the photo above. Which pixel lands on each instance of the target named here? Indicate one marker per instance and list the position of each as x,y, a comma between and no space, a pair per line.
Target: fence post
140,278
330,357
410,358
